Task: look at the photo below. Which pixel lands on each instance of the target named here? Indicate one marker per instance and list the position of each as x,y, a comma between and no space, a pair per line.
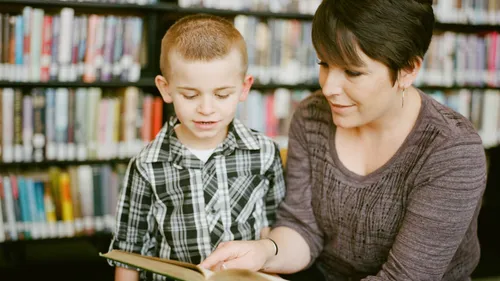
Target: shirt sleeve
443,204
276,190
296,211
135,222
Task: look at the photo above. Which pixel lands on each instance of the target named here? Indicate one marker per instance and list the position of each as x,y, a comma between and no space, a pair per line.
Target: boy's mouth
205,125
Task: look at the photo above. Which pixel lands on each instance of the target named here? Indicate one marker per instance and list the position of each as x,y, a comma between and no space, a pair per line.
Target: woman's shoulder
451,125
314,108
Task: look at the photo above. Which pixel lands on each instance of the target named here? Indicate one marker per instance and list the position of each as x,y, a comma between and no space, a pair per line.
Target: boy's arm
276,191
134,219
125,274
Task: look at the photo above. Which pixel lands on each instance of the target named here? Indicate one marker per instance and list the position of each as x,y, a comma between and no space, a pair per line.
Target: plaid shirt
172,205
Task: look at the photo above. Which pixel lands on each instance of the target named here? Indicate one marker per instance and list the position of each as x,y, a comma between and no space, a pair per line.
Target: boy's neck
189,140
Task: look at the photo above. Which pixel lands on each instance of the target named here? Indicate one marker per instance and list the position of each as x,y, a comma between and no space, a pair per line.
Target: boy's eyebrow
188,88
216,89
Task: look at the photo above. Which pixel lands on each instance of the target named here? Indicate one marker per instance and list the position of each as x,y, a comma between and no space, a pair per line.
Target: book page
178,270
240,275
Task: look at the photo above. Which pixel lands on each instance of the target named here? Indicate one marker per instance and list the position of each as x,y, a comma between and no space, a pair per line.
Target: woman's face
359,96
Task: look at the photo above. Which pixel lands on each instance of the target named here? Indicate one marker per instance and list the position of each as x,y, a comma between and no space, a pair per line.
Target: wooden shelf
95,236
223,12
45,164
143,82
149,82
455,87
170,7
86,5
466,27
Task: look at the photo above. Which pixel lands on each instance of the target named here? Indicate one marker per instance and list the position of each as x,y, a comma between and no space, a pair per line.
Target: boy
205,178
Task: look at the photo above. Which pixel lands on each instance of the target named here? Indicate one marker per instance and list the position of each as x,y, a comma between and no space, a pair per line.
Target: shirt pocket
246,195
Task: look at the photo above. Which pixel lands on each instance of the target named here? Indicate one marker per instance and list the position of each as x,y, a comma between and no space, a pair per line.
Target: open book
185,271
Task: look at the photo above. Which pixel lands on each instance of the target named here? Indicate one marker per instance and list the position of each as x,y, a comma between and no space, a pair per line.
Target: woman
384,183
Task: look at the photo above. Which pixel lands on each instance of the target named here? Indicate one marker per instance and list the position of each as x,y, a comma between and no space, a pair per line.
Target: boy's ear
247,85
163,87
408,75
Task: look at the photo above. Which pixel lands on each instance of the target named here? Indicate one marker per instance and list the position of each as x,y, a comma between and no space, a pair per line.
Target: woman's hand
251,255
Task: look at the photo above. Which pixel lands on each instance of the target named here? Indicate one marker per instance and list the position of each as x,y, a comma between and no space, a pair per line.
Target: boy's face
205,95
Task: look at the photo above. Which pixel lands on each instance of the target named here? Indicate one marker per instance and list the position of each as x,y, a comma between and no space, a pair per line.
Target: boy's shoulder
157,149
252,139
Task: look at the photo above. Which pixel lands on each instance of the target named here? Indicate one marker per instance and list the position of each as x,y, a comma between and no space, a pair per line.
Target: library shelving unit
55,258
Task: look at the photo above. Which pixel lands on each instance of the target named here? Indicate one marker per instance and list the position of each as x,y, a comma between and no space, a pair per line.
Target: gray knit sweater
414,218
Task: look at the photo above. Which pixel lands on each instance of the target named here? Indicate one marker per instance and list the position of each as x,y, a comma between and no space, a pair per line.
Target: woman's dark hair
393,32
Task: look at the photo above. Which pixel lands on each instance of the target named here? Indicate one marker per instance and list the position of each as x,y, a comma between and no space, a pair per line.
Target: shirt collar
166,146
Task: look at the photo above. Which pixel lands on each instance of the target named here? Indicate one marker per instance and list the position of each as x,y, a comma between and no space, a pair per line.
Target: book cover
184,271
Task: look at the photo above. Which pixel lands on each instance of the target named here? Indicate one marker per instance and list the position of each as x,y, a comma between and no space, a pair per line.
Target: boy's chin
208,135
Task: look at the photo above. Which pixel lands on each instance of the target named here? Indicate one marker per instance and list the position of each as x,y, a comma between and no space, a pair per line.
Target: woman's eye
222,96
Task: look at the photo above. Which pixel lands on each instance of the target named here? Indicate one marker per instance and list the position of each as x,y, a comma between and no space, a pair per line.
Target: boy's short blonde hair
202,37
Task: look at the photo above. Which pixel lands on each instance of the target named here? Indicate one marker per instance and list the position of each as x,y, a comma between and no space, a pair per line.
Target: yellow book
66,201
185,271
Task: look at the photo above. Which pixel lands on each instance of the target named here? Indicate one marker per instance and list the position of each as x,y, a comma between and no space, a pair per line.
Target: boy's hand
251,255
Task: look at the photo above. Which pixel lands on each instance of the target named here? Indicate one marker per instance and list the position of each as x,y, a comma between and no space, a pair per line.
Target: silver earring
403,97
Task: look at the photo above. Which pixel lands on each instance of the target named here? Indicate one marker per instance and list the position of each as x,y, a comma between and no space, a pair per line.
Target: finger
239,263
222,244
218,267
219,255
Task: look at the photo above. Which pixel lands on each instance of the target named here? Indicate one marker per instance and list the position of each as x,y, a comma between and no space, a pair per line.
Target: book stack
68,124
40,47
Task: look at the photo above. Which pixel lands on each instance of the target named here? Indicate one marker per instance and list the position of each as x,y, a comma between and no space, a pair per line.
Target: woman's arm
125,274
441,208
296,233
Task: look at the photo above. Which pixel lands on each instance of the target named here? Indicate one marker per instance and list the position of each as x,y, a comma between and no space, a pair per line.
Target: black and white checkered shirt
173,205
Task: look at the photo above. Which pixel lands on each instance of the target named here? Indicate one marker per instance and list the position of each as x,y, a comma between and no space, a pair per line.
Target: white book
28,128
86,186
80,125
65,43
2,226
62,123
36,44
8,124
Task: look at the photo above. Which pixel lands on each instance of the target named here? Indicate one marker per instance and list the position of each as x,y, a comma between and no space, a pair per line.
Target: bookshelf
156,17
52,163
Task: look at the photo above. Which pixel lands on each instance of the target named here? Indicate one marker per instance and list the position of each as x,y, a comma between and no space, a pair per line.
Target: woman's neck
397,121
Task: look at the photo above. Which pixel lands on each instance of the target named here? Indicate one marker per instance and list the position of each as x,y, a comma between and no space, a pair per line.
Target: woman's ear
408,75
163,87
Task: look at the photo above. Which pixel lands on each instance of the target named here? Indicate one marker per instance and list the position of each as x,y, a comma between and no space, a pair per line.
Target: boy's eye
189,96
353,73
222,96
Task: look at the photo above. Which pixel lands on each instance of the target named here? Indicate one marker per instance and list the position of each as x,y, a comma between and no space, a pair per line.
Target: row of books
67,124
275,6
39,46
270,112
56,203
481,107
447,11
279,51
462,59
468,11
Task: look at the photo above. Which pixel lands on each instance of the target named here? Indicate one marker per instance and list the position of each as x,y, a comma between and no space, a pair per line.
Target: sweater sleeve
296,210
445,200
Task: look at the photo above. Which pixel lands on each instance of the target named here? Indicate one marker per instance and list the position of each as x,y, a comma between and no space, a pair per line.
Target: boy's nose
206,106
